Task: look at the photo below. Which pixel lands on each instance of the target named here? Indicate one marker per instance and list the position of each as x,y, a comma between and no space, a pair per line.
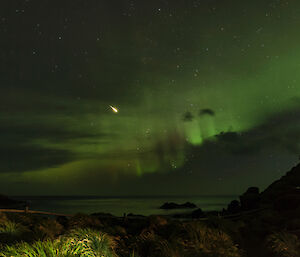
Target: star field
207,94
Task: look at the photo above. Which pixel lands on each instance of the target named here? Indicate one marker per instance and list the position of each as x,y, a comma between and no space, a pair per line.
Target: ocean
120,205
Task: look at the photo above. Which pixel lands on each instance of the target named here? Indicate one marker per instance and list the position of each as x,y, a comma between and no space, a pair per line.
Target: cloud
206,112
34,146
29,158
280,130
187,116
27,132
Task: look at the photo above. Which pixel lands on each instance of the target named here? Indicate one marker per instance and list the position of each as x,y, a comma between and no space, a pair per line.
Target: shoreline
119,206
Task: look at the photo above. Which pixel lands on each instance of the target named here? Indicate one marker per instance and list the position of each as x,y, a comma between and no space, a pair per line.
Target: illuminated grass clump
11,232
12,228
283,244
82,242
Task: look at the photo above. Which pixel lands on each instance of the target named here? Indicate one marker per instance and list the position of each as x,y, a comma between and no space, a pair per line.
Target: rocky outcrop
287,187
196,214
287,202
5,201
171,206
281,195
250,199
234,207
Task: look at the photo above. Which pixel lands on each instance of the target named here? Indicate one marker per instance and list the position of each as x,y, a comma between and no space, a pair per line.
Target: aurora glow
233,66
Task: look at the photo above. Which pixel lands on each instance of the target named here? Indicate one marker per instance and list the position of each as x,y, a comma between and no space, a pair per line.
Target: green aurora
64,64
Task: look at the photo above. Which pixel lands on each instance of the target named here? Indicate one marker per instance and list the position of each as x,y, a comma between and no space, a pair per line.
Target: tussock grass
210,242
98,243
78,243
151,245
84,221
3,217
47,229
12,232
37,249
12,228
283,244
133,254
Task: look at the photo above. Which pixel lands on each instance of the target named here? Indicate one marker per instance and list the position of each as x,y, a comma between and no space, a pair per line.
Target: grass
98,243
3,217
133,254
283,244
82,242
84,221
47,229
140,238
210,242
39,248
12,228
11,232
151,245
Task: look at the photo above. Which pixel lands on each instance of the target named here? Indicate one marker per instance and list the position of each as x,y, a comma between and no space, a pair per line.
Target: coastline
120,205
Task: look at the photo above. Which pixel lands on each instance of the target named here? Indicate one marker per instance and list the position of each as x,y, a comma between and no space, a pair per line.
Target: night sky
207,92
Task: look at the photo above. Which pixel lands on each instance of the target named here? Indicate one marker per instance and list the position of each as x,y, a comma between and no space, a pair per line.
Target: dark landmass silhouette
171,206
6,202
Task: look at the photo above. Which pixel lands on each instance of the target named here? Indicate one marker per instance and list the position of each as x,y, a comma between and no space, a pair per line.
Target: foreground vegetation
84,235
154,236
263,224
81,242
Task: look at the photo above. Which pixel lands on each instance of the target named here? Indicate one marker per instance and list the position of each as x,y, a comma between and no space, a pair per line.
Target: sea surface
120,205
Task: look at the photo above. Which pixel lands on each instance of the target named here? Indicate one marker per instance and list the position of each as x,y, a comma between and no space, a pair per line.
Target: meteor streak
114,109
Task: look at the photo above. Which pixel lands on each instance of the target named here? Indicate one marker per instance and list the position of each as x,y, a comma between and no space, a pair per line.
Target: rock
190,215
6,201
287,202
102,215
250,199
284,194
198,214
252,190
171,205
135,215
234,207
286,185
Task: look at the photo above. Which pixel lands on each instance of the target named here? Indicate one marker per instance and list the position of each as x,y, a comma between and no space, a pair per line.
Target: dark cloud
29,158
24,147
237,143
188,116
296,99
206,112
27,132
281,130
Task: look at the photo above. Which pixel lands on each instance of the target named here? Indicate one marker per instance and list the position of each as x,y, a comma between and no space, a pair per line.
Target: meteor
114,109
